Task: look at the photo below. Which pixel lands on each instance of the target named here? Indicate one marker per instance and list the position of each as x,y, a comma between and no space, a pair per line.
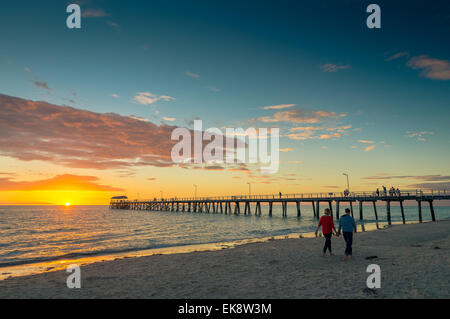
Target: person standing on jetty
348,225
326,221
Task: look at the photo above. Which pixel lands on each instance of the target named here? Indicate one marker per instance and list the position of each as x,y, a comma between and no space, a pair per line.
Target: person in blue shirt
347,225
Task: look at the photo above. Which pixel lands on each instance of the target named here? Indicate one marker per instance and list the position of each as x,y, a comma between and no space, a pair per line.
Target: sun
67,204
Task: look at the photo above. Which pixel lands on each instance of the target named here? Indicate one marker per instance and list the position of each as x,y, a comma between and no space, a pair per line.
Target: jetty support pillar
403,212
419,204
375,211
433,217
388,212
330,206
337,209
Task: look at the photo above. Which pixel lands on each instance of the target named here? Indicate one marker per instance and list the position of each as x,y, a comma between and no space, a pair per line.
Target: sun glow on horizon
67,204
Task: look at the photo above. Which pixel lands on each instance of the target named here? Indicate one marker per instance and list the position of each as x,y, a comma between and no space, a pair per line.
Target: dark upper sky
224,61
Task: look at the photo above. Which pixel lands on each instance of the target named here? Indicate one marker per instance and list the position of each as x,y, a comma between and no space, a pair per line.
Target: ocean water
38,238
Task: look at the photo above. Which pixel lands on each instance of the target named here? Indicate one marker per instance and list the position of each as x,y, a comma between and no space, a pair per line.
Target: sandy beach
414,261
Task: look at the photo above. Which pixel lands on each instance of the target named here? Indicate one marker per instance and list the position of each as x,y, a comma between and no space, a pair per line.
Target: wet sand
414,261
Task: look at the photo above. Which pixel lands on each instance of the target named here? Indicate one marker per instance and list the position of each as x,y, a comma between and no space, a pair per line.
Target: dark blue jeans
327,243
348,237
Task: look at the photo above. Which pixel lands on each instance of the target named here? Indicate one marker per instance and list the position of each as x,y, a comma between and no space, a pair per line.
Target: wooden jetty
232,204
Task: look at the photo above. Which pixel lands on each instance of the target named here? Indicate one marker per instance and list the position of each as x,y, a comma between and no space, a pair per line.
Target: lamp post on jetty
162,195
348,185
249,189
195,194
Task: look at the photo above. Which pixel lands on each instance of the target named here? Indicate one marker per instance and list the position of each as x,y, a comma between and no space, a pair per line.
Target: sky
86,114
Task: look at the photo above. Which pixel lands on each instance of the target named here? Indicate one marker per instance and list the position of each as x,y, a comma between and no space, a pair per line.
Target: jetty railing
325,195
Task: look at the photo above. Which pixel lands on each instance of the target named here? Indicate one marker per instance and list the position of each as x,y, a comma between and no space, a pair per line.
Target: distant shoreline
411,265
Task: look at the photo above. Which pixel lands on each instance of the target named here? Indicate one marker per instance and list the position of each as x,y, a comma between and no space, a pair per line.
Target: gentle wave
73,256
105,252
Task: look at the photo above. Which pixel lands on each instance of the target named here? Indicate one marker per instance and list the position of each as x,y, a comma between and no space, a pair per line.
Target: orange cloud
328,136
301,136
77,138
300,116
428,178
240,168
150,98
307,128
210,167
369,148
278,107
66,182
431,68
309,133
340,129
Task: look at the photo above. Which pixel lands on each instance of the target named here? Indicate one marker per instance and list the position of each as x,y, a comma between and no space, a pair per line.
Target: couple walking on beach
346,224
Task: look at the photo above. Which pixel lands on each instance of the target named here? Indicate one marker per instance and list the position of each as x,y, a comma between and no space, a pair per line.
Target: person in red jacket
326,221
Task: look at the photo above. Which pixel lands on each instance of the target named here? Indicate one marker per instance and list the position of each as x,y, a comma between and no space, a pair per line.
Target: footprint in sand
371,257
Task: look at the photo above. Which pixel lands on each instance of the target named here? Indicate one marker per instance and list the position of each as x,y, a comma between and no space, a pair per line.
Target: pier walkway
232,204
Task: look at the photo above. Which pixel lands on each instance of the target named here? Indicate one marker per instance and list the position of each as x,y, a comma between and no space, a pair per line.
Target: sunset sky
86,114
